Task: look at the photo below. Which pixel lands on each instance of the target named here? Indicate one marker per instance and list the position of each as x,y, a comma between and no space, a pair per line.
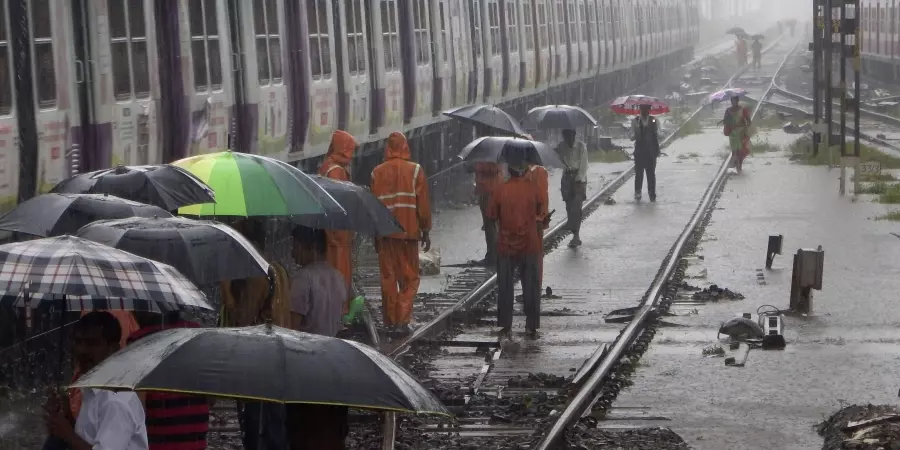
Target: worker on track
737,127
402,187
488,175
645,134
757,53
741,51
538,175
336,167
516,206
574,181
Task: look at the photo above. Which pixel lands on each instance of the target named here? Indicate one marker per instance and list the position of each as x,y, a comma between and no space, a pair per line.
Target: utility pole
818,82
850,48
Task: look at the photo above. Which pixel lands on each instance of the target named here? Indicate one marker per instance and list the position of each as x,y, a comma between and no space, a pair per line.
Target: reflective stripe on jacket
402,187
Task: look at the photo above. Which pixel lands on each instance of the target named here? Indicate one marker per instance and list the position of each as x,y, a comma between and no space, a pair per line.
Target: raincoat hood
342,147
396,147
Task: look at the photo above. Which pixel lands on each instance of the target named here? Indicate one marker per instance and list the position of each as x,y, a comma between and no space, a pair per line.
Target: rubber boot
357,305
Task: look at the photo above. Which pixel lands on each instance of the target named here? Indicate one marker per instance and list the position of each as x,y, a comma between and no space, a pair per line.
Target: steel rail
587,395
865,112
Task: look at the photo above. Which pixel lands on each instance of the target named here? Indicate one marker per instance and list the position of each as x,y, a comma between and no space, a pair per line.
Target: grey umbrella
489,116
498,149
558,117
364,212
166,186
57,214
203,251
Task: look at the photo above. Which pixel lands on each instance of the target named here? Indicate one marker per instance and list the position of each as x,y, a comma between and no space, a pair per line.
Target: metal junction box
812,264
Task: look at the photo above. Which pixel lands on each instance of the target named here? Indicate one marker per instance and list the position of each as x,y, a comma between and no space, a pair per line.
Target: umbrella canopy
93,276
496,149
365,213
489,116
253,185
758,36
736,31
631,104
726,94
264,363
203,251
166,186
558,116
57,214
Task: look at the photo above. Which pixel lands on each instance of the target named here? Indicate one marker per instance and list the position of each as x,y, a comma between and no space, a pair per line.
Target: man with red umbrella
644,133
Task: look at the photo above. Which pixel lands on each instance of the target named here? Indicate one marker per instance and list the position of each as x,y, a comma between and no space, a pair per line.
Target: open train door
84,73
241,136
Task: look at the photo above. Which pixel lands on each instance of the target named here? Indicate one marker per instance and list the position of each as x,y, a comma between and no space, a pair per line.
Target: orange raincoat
539,176
402,187
487,177
516,206
335,167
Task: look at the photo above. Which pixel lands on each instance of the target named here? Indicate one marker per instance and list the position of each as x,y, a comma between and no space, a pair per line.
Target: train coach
880,43
86,84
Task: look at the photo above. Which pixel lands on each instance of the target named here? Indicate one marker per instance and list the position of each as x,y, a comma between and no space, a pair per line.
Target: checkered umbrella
93,276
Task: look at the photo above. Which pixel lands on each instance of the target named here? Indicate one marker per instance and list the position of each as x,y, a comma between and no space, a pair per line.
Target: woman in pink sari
737,128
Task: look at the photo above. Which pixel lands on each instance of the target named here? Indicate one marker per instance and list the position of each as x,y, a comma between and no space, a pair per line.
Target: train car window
512,28
543,33
356,56
475,20
42,40
6,99
420,30
128,45
390,35
445,34
561,25
494,26
319,43
205,54
583,19
528,25
268,41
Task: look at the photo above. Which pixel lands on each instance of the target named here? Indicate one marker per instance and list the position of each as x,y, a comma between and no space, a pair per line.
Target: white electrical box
812,265
771,325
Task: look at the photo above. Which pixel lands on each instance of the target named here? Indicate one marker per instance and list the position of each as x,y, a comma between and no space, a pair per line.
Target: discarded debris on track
881,434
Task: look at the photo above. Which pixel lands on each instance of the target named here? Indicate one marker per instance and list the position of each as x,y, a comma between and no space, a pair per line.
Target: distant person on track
757,53
741,51
573,185
488,176
516,206
737,128
336,167
402,187
645,134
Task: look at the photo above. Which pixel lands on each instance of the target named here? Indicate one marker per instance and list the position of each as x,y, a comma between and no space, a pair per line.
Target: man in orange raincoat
516,206
402,187
538,175
335,167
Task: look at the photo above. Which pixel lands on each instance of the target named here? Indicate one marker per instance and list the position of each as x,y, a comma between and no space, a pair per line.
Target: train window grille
390,35
268,41
42,43
356,45
205,51
494,26
319,40
6,97
128,46
475,20
512,27
420,30
445,34
528,26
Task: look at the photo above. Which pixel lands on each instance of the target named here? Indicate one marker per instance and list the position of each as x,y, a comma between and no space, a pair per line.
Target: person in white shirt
574,181
107,420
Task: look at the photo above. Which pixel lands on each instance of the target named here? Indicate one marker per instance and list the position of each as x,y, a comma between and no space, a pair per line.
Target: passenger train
107,82
880,43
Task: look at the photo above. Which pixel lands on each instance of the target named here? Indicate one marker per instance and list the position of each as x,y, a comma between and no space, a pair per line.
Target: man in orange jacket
402,187
538,175
487,178
335,167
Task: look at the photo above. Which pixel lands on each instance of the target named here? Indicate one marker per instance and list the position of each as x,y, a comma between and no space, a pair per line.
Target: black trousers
529,267
490,229
263,426
644,165
574,193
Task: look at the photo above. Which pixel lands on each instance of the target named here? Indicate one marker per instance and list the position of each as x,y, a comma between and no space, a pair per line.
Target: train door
444,75
477,91
422,61
390,80
323,83
561,43
459,53
353,85
619,36
530,58
579,33
545,56
494,70
512,49
593,41
208,76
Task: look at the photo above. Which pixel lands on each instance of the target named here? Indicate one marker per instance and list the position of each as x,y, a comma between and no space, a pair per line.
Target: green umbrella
252,185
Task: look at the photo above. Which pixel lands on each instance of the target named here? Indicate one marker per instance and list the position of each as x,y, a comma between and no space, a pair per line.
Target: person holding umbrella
335,167
737,128
574,181
538,175
644,133
757,51
488,176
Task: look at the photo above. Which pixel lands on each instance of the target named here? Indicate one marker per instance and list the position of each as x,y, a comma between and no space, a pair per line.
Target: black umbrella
736,31
498,149
758,37
264,363
559,116
365,213
58,214
489,116
168,187
203,251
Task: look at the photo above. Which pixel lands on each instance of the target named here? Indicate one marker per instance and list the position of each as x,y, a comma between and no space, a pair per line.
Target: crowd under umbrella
253,185
725,95
75,274
558,117
264,363
205,252
631,105
365,213
498,149
166,186
57,214
488,116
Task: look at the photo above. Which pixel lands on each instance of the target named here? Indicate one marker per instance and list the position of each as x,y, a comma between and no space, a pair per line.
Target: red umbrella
631,104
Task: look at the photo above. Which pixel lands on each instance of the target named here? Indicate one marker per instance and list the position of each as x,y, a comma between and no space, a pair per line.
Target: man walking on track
737,128
646,149
757,53
538,175
335,167
516,206
402,187
487,178
574,181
